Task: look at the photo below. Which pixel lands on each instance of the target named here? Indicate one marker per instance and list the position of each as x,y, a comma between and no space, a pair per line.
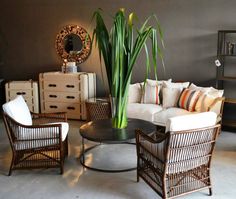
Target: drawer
72,110
25,93
21,85
62,97
67,85
61,77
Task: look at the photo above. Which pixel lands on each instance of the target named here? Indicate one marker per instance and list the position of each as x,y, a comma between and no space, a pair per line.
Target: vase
119,112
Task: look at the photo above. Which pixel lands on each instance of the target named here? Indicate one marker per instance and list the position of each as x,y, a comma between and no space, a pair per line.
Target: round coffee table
101,131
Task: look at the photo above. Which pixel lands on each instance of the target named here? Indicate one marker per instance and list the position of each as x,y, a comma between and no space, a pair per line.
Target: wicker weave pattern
98,111
37,146
181,165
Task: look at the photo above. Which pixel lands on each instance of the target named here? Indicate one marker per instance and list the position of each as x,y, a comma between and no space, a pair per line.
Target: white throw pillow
150,94
209,94
18,110
160,82
134,93
180,85
170,97
209,90
203,89
154,83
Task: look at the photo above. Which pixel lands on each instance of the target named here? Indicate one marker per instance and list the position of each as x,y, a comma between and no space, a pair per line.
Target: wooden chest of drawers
28,89
66,92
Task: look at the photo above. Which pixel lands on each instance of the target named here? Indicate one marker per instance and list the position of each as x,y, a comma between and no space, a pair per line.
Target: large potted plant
120,48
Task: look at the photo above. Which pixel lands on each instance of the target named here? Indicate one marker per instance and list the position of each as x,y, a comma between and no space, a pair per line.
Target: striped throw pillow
188,99
150,94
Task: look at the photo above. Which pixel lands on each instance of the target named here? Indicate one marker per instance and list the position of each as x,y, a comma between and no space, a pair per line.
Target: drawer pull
70,86
53,96
20,93
71,108
52,85
53,106
70,97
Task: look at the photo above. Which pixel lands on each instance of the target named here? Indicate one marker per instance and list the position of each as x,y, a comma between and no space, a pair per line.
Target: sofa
157,101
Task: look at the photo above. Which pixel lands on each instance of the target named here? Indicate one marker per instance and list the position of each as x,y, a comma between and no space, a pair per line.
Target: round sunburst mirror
73,44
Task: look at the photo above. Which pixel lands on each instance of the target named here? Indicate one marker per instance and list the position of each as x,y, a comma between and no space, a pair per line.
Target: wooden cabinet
226,73
66,92
28,89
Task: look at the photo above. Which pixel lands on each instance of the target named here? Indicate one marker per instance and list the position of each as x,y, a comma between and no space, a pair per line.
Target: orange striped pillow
188,99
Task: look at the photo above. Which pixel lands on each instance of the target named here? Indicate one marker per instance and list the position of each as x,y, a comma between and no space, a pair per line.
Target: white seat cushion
44,132
18,110
143,111
160,118
39,133
194,121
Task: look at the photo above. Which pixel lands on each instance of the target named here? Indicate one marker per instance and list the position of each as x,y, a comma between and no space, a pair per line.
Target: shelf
227,31
230,100
226,55
227,78
229,123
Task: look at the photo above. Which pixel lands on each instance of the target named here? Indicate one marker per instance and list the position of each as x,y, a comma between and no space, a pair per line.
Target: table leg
83,153
82,159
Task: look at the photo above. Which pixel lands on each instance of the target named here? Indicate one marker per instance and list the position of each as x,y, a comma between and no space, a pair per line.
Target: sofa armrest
217,107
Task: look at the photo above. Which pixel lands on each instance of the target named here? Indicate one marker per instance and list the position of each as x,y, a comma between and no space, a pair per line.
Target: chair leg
61,168
66,145
12,161
137,177
210,191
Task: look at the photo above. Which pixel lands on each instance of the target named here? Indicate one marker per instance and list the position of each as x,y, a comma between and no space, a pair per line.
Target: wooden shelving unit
226,49
230,100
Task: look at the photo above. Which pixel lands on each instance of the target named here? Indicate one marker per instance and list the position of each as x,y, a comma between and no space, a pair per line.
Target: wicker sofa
167,101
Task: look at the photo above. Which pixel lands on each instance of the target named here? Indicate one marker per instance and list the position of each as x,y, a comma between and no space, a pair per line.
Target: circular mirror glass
72,44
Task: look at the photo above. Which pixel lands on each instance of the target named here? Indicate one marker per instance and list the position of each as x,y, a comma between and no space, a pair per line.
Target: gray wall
190,31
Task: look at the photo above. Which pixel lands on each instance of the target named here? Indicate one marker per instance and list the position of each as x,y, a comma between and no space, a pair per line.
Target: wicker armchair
178,162
37,140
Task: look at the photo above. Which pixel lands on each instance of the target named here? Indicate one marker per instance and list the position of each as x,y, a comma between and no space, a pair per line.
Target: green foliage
120,48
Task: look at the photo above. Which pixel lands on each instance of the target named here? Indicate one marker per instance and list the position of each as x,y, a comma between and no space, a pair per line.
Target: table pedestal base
83,154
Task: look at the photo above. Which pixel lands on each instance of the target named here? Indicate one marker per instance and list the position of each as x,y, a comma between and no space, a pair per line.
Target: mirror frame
83,35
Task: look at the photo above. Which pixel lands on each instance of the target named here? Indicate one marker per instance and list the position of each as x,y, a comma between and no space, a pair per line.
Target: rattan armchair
177,162
42,144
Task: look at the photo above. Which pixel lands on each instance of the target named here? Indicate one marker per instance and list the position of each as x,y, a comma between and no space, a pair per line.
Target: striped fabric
188,99
150,94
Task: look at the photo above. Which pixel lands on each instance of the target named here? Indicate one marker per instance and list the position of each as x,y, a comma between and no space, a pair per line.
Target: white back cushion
18,110
180,85
134,93
192,121
159,82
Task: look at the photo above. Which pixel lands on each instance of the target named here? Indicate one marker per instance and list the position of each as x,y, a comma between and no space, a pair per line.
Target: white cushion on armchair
18,110
45,133
192,121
